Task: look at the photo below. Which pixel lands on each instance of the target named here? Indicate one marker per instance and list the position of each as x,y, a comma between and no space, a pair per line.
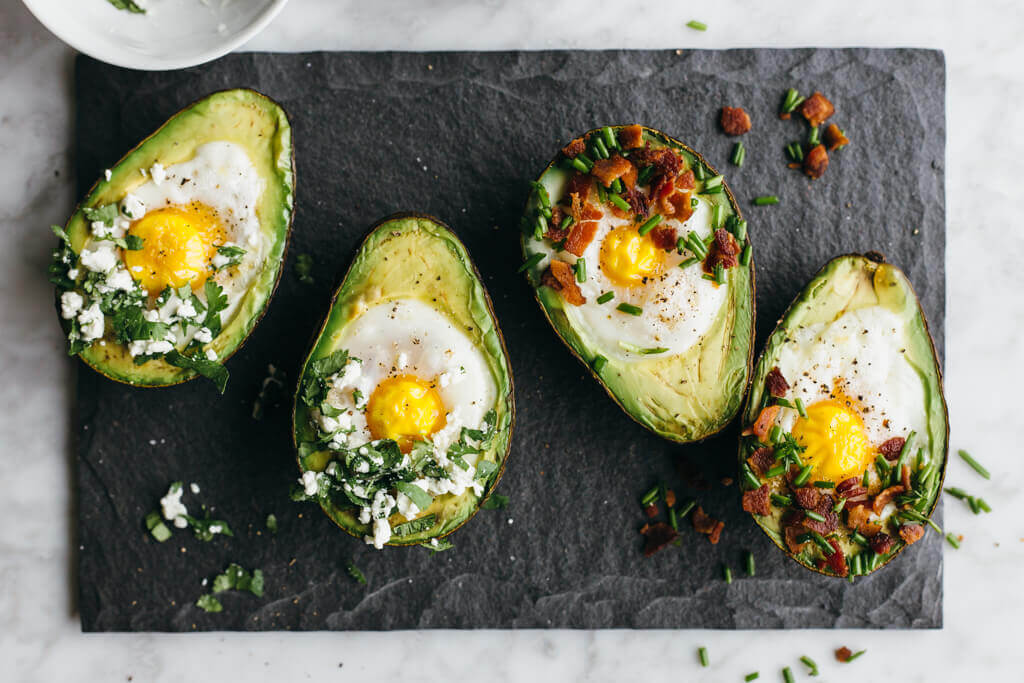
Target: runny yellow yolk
627,257
835,438
177,245
404,408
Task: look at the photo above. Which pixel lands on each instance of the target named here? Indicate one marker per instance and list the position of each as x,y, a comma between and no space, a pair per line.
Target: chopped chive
694,202
857,565
957,493
752,676
633,348
748,251
814,139
866,479
702,655
696,245
953,540
726,573
810,664
533,260
805,474
882,467
824,485
738,228
775,434
650,224
972,502
629,308
673,521
713,182
749,563
546,211
791,101
697,26
644,175
739,153
602,194
698,172
601,149
766,200
651,495
717,189
609,138
854,656
859,538
811,514
974,464
905,451
686,507
750,480
599,363
983,505
840,504
800,408
617,186
820,541
689,262
618,201
775,471
581,269
719,274
716,216
606,297
781,500
580,165
787,675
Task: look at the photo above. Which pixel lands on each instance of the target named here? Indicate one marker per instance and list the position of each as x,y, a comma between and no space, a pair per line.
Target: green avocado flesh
406,260
259,127
851,287
686,394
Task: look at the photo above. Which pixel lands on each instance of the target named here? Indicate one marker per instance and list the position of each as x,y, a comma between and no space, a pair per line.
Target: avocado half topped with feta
640,261
844,447
403,416
169,262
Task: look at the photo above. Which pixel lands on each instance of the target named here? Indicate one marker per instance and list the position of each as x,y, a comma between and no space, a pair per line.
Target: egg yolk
627,257
836,440
404,409
177,246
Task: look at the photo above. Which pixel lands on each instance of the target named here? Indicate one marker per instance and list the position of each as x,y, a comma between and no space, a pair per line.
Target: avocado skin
480,310
922,352
242,116
739,357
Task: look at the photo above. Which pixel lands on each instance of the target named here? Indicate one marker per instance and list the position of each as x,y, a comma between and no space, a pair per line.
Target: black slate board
458,135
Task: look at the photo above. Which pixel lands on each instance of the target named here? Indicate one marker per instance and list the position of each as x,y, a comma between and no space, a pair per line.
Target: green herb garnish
209,369
354,572
766,200
629,308
495,501
974,464
697,26
304,268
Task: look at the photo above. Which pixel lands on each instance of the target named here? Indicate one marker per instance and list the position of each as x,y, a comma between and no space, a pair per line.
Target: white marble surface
39,632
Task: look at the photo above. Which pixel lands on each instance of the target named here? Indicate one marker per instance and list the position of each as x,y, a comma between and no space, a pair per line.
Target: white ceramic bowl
173,34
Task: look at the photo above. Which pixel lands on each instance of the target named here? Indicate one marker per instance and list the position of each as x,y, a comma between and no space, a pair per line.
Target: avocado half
250,120
847,283
410,255
683,398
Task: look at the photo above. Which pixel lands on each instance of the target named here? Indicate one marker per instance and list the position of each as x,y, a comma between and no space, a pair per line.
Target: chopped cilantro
205,529
132,242
216,301
104,214
207,368
60,233
413,526
484,470
272,523
314,387
354,572
304,268
232,253
438,545
495,501
237,578
208,603
418,496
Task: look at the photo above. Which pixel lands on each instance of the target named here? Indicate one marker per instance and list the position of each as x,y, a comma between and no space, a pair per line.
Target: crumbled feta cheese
120,279
381,534
219,261
99,229
100,258
362,467
107,174
211,354
172,507
146,347
204,335
406,507
349,374
70,304
132,206
332,469
152,316
73,273
216,528
309,482
90,322
364,515
194,488
185,309
328,424
158,173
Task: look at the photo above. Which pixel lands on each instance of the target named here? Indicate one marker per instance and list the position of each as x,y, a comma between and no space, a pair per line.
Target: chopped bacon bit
664,236
580,236
735,120
792,533
724,250
847,485
665,160
816,109
651,510
705,524
678,205
555,233
857,518
575,148
559,276
726,481
776,383
836,562
835,138
855,497
631,137
756,501
816,162
808,497
657,537
792,164
645,528
885,497
891,448
911,533
905,477
670,498
686,181
761,460
843,654
578,190
610,170
881,543
764,423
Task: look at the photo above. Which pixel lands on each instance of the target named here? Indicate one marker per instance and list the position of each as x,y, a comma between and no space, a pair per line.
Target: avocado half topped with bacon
640,260
844,446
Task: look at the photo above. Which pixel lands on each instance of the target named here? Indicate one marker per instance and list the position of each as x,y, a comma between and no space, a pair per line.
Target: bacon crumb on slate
560,277
580,236
610,170
911,533
881,543
858,519
891,448
843,654
764,423
670,498
835,138
657,537
651,510
756,501
631,137
816,162
705,524
816,109
776,383
735,121
664,237
761,460
574,148
885,497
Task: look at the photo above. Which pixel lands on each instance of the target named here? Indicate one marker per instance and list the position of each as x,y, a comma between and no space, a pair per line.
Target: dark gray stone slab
459,135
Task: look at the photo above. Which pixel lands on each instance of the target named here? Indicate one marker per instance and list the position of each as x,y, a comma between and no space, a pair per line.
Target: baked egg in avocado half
404,410
844,447
640,260
165,268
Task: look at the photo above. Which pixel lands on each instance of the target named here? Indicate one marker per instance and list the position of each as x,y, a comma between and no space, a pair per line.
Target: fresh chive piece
618,201
866,479
533,260
972,502
748,251
957,493
581,269
766,200
726,573
787,675
905,451
686,507
698,172
749,563
795,150
824,485
811,665
750,480
717,189
814,139
673,521
633,348
650,224
791,101
811,514
716,217
805,474
587,160
775,471
567,223
610,141
719,274
820,541
775,434
781,500
953,540
739,153
629,308
617,186
838,507
713,182
599,146
272,523
856,565
752,676
697,26
882,467
974,464
859,538
599,363
652,495
696,245
694,202
689,262
738,228
606,297
983,505
644,175
580,166
602,194
800,408
854,656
